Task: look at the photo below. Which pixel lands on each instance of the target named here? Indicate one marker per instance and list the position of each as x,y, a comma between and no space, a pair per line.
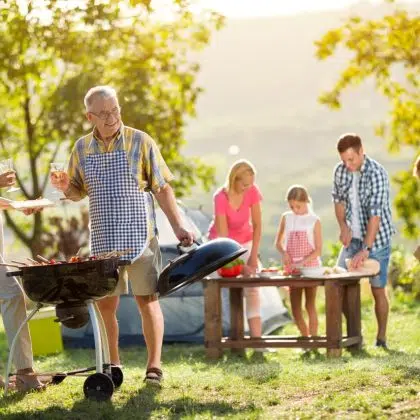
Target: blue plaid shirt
374,198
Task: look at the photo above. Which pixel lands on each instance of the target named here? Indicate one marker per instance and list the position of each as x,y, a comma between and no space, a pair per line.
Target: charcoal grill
74,287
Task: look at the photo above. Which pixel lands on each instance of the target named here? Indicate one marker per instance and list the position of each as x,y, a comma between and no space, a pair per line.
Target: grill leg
13,345
96,336
105,345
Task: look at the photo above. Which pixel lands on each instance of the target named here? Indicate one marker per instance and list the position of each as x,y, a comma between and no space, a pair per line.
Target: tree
387,50
52,52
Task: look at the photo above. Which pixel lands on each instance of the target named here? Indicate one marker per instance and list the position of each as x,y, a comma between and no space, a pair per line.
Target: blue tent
183,311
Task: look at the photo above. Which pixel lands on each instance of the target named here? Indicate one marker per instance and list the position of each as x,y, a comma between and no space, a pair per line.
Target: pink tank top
238,220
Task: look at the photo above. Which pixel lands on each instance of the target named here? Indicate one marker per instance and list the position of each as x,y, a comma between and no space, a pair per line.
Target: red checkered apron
298,247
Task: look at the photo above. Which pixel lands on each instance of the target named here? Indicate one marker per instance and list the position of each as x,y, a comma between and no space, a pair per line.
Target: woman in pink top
237,215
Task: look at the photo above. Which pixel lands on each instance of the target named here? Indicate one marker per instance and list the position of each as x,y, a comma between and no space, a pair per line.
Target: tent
183,311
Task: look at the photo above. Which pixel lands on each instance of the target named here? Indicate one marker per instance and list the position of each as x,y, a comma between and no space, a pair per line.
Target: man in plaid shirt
118,168
362,208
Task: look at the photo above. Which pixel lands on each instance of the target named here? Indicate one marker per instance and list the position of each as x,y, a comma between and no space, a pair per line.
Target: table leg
212,319
333,308
236,316
354,317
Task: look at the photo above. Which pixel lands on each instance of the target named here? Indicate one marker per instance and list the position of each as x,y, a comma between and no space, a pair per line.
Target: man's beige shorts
143,273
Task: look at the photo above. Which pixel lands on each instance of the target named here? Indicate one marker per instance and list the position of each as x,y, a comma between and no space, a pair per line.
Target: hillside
261,82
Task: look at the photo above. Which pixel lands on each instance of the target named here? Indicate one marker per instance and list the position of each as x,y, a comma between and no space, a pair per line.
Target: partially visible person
299,241
363,211
13,311
237,215
416,173
416,168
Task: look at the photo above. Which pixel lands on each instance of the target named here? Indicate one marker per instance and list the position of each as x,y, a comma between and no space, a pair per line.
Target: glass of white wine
6,165
57,169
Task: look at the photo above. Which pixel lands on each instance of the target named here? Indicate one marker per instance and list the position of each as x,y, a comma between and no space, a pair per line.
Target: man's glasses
104,115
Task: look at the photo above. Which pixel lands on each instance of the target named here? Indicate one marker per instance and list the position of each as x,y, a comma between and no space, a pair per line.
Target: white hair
101,91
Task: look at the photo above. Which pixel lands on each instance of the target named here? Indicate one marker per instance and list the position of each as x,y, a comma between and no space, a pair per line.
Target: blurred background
212,81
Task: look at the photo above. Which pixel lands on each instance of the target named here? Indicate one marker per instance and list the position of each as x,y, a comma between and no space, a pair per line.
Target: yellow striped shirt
146,162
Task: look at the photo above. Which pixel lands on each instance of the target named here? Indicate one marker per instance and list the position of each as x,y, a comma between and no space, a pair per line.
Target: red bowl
234,271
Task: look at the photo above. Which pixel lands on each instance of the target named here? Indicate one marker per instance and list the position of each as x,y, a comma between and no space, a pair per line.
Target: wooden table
339,290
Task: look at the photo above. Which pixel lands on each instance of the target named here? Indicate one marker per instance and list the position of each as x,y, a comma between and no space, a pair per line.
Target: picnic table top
259,278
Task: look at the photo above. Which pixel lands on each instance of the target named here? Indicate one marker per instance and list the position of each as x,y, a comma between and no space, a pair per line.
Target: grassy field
284,384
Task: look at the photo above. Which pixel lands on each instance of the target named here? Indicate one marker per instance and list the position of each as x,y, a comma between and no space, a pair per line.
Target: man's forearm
73,193
167,202
372,230
340,214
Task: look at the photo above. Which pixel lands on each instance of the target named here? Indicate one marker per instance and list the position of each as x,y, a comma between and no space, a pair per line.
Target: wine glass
57,169
6,165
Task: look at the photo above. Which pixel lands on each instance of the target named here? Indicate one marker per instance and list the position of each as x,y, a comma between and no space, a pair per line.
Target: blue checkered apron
118,212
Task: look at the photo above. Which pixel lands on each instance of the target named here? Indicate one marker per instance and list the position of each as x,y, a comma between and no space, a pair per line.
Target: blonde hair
238,170
416,169
298,193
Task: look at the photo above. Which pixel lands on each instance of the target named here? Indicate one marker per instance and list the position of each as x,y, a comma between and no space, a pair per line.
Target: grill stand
99,386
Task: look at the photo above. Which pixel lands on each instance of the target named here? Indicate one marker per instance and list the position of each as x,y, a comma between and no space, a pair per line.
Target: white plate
268,273
31,204
313,271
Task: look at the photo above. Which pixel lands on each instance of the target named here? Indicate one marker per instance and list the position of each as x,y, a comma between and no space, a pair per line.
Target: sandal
29,382
11,385
154,376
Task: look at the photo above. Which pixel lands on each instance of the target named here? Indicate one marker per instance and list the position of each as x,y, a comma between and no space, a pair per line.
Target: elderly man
362,208
118,168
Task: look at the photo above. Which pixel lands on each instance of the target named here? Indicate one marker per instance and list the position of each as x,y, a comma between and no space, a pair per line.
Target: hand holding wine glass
7,175
59,178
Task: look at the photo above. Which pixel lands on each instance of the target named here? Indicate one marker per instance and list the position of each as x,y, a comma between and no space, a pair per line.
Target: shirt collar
113,140
365,164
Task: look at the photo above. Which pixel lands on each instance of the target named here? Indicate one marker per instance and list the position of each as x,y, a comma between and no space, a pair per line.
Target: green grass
284,384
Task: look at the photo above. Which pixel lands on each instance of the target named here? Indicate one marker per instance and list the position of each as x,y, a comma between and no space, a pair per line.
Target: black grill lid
198,263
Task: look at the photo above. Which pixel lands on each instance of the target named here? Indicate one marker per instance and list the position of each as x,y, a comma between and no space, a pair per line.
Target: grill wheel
98,387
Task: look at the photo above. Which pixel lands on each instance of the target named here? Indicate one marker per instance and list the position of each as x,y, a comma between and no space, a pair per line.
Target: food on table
232,269
334,270
270,270
291,271
370,266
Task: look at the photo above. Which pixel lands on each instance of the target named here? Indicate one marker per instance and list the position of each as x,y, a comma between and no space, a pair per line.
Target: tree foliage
52,52
387,50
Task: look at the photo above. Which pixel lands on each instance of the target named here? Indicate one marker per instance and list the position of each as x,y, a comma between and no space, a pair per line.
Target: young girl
299,242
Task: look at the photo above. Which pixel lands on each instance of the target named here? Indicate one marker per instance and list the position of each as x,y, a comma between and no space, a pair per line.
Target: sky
237,9
251,8
258,8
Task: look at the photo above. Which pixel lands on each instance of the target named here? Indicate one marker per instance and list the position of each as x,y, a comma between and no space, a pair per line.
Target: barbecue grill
74,287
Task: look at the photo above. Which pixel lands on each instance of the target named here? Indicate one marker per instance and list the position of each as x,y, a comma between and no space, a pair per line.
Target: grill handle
185,249
14,273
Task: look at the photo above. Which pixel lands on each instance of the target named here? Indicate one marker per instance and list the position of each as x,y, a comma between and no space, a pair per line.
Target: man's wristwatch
366,248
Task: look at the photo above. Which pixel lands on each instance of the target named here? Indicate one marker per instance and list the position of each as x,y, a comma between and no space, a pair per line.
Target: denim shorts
381,255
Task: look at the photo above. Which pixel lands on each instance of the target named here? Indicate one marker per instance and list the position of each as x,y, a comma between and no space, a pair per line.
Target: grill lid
198,263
